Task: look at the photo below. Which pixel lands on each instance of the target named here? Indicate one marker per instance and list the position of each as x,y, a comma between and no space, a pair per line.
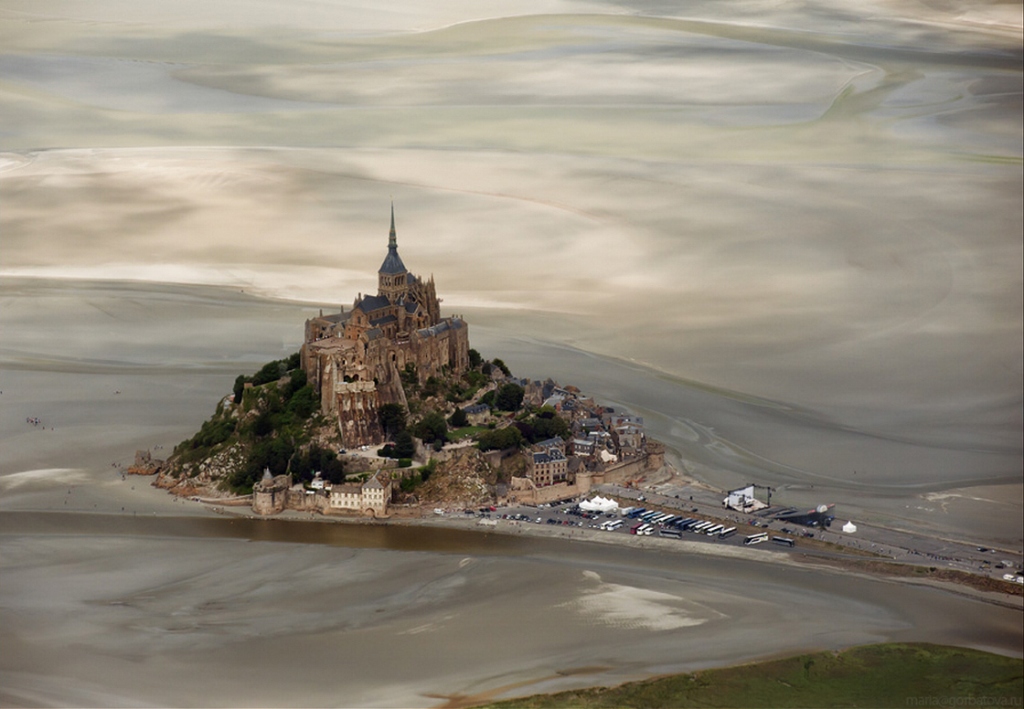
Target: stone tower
393,277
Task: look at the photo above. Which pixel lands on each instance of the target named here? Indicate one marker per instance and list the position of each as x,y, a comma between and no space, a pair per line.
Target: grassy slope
892,675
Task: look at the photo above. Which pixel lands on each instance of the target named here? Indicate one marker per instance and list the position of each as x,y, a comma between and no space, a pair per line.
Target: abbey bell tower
393,277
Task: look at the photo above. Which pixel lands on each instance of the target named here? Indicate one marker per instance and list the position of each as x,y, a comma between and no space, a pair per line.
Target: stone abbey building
354,359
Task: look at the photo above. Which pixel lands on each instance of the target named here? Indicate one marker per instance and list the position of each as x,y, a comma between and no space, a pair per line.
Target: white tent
849,528
599,504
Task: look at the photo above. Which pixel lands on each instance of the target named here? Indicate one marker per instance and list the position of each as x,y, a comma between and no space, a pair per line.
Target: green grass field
892,675
459,434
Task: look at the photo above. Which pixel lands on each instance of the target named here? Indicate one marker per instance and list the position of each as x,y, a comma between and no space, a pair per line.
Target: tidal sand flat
787,236
144,615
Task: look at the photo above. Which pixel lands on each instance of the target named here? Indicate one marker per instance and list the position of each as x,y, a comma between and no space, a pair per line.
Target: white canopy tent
599,504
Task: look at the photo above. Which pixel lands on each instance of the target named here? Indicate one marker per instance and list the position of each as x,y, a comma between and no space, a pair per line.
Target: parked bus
674,533
701,527
784,541
636,528
612,526
645,529
726,533
714,529
756,538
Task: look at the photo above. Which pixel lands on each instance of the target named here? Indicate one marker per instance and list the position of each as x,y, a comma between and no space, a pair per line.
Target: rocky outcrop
459,482
146,464
202,477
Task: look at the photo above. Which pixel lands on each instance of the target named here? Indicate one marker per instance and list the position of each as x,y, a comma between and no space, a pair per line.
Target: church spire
392,239
392,278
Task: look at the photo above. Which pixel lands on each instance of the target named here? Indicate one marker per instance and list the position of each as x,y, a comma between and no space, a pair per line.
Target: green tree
239,389
552,427
298,379
459,419
405,447
501,365
501,438
392,418
432,386
509,397
270,372
475,378
475,360
303,403
432,427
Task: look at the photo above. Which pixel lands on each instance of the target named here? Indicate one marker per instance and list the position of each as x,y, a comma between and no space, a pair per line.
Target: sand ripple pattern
635,608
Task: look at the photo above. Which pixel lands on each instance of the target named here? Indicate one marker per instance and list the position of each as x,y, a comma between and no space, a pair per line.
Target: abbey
355,359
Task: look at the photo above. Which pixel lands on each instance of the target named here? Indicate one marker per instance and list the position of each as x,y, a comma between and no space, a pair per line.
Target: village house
547,464
371,497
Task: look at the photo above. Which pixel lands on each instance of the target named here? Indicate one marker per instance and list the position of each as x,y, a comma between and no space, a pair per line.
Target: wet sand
787,237
165,611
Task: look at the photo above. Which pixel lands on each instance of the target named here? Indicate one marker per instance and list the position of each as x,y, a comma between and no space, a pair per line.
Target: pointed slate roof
392,262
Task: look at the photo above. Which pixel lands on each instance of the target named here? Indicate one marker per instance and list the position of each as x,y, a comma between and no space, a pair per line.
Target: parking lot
697,520
641,521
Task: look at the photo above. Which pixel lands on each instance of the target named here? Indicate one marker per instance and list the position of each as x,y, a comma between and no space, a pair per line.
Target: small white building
742,500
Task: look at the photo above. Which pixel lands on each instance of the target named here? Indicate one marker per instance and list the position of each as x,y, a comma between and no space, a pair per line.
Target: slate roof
549,456
392,263
555,442
369,303
434,329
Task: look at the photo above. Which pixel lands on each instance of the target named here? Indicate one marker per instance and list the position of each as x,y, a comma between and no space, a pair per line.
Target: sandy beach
789,237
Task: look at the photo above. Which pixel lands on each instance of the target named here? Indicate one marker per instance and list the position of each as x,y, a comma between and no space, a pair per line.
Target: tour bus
645,529
756,538
660,519
701,527
784,541
636,528
650,515
682,524
668,521
714,529
667,532
613,525
726,533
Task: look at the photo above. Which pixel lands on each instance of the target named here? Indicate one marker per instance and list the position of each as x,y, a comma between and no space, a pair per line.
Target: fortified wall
524,491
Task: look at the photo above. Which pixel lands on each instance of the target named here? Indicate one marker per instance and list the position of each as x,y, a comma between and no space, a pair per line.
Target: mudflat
790,239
